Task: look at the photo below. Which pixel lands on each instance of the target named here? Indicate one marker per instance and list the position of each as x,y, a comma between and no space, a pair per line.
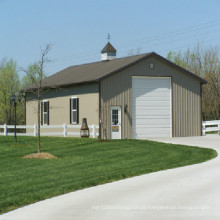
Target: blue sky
78,29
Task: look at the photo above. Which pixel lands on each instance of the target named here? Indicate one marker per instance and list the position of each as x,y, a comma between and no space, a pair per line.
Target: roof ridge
103,61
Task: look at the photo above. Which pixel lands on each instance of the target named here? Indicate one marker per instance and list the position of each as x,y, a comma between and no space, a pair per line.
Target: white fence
65,130
210,126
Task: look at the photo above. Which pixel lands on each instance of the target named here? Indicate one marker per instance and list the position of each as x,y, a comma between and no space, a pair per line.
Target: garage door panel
153,82
143,112
142,91
154,130
155,98
152,112
149,117
153,104
151,107
153,135
152,122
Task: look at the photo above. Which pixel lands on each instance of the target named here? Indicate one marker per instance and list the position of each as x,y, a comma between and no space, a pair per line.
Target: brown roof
108,48
96,71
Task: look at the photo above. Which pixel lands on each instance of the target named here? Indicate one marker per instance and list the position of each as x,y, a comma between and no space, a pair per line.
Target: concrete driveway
191,192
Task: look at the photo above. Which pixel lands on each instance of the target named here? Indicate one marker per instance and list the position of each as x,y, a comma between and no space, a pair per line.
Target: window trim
74,110
43,113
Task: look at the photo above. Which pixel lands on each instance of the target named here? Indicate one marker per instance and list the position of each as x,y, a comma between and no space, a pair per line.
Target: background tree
9,85
34,76
204,62
133,52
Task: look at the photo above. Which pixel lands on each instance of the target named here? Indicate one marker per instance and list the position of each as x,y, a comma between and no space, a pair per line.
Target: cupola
108,52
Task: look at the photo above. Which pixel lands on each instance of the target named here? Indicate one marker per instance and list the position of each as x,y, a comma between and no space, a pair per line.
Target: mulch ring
40,156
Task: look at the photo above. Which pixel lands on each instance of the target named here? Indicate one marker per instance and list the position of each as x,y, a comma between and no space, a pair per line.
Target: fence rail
74,130
210,126
64,130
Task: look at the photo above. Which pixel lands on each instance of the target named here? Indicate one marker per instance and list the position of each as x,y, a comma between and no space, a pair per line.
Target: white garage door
151,107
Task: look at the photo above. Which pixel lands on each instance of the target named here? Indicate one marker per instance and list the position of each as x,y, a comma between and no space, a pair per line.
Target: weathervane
109,37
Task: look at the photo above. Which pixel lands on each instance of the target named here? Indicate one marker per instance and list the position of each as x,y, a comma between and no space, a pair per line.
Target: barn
138,97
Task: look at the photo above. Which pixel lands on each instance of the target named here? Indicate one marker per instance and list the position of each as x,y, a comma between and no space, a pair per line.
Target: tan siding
59,101
186,107
31,112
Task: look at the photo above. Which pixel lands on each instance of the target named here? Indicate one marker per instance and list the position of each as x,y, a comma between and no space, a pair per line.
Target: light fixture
13,99
126,108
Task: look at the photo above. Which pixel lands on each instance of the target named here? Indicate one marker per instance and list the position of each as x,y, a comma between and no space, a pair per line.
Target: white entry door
116,122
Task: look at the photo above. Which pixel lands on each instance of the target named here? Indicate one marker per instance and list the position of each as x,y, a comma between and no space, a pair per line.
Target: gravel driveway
191,192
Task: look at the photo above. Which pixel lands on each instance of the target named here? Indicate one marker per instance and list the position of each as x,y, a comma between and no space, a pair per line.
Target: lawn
81,163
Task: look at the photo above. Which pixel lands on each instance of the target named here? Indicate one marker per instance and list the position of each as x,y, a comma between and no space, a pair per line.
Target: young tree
35,75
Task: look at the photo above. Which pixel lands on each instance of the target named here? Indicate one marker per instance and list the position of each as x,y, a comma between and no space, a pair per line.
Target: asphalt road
191,192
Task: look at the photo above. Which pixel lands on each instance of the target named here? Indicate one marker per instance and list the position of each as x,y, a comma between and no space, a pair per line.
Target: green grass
82,163
212,132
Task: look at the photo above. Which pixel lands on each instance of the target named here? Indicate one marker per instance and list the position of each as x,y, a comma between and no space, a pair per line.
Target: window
114,116
45,113
74,110
151,65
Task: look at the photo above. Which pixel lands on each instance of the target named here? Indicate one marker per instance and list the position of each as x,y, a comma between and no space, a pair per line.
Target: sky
78,29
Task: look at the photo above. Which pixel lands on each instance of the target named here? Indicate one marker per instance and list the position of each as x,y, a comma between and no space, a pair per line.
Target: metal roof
108,48
92,72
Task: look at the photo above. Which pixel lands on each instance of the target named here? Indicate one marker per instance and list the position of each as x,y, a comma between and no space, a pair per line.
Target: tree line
204,62
12,84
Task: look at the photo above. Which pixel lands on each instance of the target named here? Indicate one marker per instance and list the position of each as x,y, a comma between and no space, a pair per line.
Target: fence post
5,130
93,131
64,130
203,130
219,128
35,130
